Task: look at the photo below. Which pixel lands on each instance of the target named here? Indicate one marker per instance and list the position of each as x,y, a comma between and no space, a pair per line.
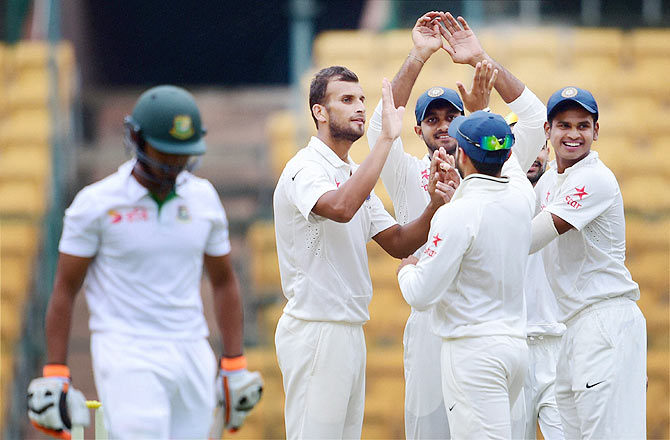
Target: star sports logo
572,200
425,175
431,252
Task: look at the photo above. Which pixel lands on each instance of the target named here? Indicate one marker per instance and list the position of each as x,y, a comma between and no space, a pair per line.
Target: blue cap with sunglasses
579,96
485,137
434,94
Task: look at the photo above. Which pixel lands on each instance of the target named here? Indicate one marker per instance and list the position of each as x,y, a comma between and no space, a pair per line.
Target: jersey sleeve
394,171
308,183
583,197
423,284
218,242
82,226
380,219
529,131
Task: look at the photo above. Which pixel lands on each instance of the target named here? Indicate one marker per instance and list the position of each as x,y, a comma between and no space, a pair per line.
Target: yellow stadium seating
647,235
25,162
647,43
22,198
18,237
597,47
646,194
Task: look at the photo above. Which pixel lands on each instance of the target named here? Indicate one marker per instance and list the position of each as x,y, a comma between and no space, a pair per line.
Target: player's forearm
230,317
350,195
58,324
414,234
406,77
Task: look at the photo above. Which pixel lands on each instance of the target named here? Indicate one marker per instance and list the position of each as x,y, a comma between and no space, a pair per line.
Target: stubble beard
338,131
535,177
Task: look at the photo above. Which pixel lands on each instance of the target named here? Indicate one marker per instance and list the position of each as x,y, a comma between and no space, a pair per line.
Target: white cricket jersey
323,264
586,264
470,270
541,306
145,277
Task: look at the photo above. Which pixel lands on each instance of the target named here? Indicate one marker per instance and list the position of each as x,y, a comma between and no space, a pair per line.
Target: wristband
416,58
234,363
56,370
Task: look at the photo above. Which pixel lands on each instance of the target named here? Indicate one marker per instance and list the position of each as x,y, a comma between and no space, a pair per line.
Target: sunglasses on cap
490,142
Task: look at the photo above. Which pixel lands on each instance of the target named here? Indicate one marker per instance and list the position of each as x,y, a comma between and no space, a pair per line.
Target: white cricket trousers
154,388
323,370
482,378
539,395
601,372
425,414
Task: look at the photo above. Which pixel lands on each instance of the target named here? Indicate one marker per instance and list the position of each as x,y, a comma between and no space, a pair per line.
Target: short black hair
568,105
490,169
317,89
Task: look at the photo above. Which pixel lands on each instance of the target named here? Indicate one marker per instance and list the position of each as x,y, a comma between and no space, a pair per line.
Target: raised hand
482,83
391,116
444,178
426,35
461,43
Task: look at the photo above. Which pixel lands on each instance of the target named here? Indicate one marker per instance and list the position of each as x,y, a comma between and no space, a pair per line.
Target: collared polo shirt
473,267
145,276
586,264
323,263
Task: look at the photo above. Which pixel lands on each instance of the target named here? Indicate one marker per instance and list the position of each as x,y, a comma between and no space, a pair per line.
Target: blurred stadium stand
254,131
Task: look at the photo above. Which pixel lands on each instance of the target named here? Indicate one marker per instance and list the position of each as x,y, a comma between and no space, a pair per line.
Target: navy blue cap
469,129
433,94
575,94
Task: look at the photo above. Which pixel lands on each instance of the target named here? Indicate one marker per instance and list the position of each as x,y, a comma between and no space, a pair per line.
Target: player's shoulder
108,188
591,170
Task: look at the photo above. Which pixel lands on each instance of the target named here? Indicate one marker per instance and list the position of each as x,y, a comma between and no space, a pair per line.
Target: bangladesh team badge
182,127
183,215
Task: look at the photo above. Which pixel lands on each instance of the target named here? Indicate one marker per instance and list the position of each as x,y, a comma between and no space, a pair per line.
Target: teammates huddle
522,308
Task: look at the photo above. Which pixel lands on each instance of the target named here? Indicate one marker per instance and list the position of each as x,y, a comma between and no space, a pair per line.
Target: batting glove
238,391
54,405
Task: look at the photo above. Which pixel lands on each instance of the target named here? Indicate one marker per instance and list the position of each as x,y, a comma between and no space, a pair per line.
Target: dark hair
317,89
490,169
568,105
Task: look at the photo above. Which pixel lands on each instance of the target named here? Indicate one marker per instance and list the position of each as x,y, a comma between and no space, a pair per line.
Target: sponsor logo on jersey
580,192
135,214
432,252
572,199
182,127
115,216
425,176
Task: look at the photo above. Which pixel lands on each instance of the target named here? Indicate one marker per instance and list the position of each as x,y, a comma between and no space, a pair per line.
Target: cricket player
601,372
544,333
406,179
138,241
325,212
471,274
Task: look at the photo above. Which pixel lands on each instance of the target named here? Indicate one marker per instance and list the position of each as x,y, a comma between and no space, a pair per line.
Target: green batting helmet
168,118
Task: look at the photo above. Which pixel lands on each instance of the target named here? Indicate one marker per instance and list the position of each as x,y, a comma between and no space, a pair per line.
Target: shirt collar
480,182
328,153
134,189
